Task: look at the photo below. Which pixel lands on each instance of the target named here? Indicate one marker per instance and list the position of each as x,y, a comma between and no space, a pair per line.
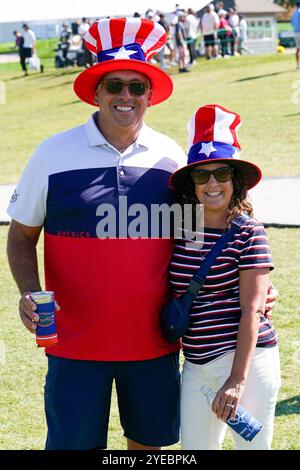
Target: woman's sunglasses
135,87
220,174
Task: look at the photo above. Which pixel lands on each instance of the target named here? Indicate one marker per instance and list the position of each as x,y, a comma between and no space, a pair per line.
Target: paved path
276,201
7,58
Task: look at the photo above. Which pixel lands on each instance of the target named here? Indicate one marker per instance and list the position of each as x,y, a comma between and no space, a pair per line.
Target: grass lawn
260,88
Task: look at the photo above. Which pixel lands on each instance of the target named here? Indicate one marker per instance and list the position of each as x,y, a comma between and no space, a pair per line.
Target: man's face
123,109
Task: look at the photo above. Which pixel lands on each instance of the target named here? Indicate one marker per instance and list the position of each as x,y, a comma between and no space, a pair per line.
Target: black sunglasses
220,174
135,87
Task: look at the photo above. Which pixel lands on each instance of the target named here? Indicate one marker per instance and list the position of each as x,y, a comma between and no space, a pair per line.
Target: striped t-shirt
215,313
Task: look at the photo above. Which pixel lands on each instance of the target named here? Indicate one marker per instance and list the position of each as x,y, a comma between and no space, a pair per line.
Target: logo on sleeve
14,196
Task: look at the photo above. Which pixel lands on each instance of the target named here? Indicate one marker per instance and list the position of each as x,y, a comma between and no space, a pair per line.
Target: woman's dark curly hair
239,203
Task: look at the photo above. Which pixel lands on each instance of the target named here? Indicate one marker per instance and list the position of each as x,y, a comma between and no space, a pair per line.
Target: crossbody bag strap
198,278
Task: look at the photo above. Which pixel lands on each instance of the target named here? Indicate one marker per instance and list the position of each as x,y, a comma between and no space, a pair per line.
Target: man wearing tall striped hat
110,286
110,289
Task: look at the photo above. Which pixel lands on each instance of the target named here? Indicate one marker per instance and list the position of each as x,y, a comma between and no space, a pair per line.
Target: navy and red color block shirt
111,291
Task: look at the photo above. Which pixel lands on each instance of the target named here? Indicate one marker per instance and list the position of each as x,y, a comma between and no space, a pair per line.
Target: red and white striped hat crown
213,123
111,39
124,44
213,139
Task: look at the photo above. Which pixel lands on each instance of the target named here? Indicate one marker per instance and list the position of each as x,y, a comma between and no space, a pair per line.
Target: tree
286,3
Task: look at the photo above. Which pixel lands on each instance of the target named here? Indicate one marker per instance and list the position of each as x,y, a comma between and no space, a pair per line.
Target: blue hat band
209,151
129,51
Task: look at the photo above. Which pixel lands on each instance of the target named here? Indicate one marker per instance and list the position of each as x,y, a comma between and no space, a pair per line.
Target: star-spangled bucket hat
213,139
124,44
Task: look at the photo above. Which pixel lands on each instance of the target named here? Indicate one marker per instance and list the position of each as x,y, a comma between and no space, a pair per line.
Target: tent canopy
32,10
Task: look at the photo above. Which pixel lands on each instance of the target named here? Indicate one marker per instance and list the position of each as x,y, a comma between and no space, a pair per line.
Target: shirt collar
95,137
145,136
93,134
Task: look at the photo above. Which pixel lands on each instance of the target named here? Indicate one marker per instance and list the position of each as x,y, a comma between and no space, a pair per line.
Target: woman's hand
227,399
271,299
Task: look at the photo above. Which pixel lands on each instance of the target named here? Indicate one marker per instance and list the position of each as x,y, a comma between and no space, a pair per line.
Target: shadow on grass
68,82
257,77
290,406
38,75
291,115
70,103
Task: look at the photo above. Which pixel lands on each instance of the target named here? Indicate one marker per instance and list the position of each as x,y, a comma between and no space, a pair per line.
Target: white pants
201,429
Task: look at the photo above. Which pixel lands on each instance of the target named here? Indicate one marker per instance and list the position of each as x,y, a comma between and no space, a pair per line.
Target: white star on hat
207,149
237,154
122,53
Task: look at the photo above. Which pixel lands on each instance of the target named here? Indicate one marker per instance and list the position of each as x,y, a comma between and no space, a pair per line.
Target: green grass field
260,89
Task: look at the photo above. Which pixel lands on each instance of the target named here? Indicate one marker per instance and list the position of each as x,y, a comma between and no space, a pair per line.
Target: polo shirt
111,290
209,23
29,39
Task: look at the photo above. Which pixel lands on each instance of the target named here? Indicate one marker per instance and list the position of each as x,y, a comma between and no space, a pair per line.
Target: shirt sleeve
255,252
28,202
32,35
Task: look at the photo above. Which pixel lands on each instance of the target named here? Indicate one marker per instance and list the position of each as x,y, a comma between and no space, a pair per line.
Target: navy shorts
78,396
209,40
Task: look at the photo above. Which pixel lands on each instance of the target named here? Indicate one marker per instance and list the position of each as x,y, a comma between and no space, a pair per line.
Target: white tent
33,10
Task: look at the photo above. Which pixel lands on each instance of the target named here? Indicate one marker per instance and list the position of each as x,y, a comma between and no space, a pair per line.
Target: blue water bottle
243,423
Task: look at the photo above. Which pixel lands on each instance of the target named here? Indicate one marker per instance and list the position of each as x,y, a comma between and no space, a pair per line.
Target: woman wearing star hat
230,346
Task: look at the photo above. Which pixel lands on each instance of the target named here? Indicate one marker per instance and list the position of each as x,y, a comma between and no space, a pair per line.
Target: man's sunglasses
220,174
135,87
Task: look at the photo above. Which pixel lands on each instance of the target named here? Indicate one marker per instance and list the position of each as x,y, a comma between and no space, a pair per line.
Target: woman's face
215,195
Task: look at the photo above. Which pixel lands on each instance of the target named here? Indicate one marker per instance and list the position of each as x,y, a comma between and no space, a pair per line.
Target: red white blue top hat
124,44
213,139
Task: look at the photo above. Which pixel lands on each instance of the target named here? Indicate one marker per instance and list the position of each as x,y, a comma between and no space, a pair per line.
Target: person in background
219,6
163,22
66,32
65,39
180,39
82,30
29,47
19,41
234,22
230,346
75,27
224,32
295,20
192,27
243,35
209,25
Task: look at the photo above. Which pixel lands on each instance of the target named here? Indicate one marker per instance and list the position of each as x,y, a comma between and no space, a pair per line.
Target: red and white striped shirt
215,313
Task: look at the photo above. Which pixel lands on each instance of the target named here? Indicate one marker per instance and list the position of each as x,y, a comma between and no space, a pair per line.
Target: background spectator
181,41
224,32
19,42
29,47
88,56
163,22
192,26
243,34
234,22
209,26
